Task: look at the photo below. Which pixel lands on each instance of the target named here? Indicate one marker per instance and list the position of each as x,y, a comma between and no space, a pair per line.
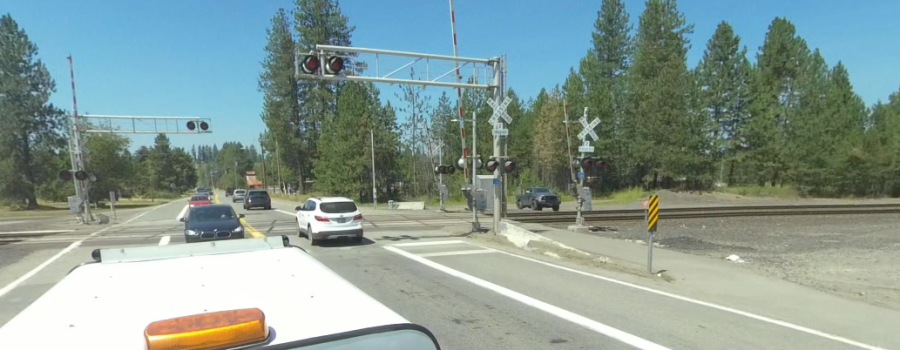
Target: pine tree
774,101
603,69
341,169
281,109
33,126
319,22
659,92
724,74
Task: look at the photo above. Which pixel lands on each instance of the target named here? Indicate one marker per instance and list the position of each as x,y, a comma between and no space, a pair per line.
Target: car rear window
259,193
240,191
199,198
214,213
337,207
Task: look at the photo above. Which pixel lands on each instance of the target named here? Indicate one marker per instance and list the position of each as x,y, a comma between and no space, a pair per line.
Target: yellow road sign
653,213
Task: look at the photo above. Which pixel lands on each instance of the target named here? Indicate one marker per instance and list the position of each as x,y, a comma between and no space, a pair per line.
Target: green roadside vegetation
785,192
57,208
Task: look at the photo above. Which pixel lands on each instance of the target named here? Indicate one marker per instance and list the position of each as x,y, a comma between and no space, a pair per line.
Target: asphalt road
472,294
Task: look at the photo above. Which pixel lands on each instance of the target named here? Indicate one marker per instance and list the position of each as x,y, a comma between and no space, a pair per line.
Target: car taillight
358,217
321,219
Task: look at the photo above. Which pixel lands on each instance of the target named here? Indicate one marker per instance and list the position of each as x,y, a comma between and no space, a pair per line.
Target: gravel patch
854,256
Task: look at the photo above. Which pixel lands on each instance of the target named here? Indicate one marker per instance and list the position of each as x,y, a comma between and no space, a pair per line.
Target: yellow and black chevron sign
653,213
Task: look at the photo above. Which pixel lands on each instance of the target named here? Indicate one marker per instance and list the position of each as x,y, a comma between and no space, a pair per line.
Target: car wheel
535,206
519,205
555,208
309,234
357,240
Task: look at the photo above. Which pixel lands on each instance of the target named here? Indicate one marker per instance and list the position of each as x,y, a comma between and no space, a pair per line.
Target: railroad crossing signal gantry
309,66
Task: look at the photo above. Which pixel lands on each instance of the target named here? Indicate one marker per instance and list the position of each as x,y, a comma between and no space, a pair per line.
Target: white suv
329,218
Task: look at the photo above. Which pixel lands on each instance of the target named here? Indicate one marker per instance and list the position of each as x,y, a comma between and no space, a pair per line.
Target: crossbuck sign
588,130
499,112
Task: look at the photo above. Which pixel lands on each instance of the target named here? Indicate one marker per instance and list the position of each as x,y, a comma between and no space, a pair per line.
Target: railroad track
707,212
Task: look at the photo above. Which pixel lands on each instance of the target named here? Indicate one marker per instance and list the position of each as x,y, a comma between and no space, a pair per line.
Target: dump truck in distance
252,181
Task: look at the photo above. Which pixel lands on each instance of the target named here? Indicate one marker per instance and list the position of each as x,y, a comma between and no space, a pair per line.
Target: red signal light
509,166
587,163
492,165
204,126
310,64
191,126
335,65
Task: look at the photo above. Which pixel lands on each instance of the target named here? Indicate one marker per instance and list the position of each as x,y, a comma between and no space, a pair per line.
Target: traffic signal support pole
498,188
77,154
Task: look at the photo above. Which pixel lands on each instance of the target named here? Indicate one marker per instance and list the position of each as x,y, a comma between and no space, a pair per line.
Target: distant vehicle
538,198
329,218
252,181
198,200
229,191
239,195
206,190
212,222
257,199
218,306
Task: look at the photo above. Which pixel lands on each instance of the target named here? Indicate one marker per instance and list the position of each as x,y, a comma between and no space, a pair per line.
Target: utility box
485,190
586,194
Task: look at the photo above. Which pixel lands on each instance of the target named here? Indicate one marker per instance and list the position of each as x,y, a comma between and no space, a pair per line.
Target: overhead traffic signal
191,125
311,64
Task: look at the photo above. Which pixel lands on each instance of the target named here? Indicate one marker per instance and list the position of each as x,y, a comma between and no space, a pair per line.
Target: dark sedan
212,222
257,199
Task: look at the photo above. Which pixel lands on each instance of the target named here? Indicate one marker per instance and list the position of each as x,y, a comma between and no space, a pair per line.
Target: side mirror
298,208
241,216
182,219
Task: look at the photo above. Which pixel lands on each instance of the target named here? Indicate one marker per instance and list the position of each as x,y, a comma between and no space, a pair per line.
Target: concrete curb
521,237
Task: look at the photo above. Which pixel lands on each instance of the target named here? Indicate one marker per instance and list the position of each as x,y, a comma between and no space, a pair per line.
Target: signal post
111,124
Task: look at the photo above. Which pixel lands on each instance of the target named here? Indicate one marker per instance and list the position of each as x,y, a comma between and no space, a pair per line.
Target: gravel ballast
854,256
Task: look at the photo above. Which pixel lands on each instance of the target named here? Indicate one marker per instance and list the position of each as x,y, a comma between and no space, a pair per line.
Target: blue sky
201,57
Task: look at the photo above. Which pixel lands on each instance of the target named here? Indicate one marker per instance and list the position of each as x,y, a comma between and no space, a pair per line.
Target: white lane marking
595,326
11,222
34,232
12,285
707,304
165,240
183,211
286,212
419,244
70,239
458,252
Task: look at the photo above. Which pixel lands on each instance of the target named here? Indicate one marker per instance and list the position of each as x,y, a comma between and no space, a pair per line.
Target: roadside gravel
854,256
